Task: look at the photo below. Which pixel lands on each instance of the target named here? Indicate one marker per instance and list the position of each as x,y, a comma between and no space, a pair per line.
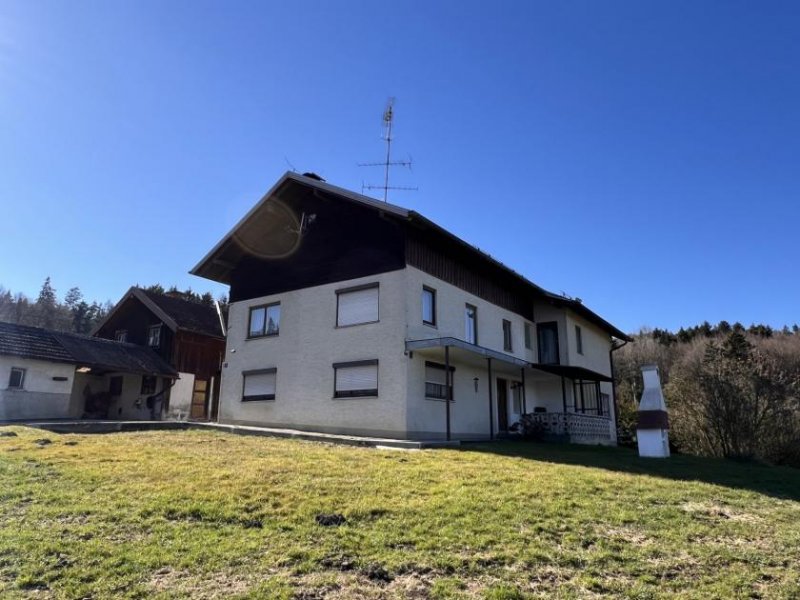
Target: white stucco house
54,375
351,315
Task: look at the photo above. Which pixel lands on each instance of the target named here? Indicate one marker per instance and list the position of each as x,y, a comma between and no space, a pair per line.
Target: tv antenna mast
388,119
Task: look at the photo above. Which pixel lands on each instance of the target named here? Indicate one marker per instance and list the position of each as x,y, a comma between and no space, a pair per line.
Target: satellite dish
274,232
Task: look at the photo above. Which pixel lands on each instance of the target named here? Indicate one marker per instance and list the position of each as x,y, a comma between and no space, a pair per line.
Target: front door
502,404
199,396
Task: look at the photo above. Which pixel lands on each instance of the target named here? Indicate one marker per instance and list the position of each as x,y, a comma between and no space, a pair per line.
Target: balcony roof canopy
571,372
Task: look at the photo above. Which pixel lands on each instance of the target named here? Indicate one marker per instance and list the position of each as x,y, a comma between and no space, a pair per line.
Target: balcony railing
579,428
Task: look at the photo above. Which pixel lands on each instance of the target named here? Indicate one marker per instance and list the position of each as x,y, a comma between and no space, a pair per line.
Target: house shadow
776,481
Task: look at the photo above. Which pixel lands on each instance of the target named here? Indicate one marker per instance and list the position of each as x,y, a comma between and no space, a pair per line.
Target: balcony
575,428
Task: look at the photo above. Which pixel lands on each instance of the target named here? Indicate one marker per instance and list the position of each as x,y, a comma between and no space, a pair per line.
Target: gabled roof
81,350
216,265
176,313
31,342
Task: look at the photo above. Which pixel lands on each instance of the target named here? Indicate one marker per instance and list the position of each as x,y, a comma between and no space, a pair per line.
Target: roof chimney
312,175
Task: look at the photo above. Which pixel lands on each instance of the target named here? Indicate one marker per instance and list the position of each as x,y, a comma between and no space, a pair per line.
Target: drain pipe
221,320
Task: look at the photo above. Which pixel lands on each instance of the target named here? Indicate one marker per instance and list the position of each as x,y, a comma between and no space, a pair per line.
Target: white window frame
265,330
150,330
121,335
23,372
508,336
429,290
260,397
474,318
528,336
355,393
578,339
354,290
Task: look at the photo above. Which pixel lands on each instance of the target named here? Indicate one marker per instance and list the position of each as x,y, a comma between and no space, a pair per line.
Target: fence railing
578,427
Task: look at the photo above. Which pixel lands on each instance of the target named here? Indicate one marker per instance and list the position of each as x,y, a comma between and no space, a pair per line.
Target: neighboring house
347,314
185,333
52,375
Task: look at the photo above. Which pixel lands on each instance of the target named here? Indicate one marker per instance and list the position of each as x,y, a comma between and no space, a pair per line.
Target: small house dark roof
31,342
82,350
188,314
176,312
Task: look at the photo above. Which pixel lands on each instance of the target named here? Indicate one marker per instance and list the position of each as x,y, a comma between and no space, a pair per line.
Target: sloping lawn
200,514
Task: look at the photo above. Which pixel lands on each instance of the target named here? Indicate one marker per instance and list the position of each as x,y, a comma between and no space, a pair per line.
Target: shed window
436,381
428,306
357,305
528,336
16,380
578,339
154,336
265,320
355,379
121,335
148,384
259,385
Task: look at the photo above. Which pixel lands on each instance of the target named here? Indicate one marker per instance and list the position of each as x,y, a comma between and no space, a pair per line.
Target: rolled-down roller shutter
356,379
259,385
357,306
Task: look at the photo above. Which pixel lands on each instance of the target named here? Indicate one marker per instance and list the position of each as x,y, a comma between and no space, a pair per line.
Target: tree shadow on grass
778,482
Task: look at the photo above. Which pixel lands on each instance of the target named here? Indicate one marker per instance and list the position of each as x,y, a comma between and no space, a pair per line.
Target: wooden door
199,399
502,404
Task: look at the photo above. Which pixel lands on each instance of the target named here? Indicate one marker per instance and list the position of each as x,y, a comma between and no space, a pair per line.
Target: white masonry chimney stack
652,429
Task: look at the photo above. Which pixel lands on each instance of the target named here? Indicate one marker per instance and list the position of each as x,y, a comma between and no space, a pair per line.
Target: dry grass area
209,515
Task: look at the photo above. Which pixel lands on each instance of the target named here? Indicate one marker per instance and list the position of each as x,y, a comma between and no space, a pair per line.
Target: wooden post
491,401
447,392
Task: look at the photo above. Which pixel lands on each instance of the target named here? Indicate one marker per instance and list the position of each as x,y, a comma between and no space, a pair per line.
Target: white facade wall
596,348
451,302
308,345
180,397
42,397
470,411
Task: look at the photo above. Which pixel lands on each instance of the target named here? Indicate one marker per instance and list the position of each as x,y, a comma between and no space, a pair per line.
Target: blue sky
640,155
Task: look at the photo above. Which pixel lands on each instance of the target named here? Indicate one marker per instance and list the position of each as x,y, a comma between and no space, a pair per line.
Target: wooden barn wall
451,264
198,354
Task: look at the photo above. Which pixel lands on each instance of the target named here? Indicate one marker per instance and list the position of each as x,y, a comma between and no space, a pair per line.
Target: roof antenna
388,118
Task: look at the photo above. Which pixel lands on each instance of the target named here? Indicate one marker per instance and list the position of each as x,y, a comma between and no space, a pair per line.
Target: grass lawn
200,514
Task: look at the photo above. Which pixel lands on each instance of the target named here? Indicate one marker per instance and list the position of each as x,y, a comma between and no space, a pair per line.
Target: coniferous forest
72,312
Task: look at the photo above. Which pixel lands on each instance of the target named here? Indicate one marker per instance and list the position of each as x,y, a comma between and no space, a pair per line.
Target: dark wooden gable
341,240
136,318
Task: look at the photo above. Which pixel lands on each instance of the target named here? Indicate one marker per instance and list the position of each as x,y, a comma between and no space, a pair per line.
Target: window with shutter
259,385
355,379
357,305
436,383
